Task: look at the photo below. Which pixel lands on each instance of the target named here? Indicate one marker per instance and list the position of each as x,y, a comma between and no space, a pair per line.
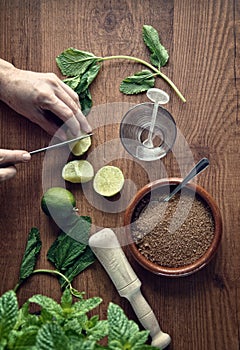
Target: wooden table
200,311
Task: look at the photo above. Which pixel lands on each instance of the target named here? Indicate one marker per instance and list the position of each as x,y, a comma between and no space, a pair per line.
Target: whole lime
58,202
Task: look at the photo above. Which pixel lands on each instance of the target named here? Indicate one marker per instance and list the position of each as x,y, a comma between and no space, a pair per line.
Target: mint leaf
139,82
64,251
85,305
81,83
124,333
80,264
80,229
74,62
30,256
96,329
52,337
85,344
72,82
69,247
85,101
87,78
70,253
24,338
159,56
48,304
8,313
66,300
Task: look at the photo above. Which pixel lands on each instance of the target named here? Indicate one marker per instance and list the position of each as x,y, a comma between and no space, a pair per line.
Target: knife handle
106,247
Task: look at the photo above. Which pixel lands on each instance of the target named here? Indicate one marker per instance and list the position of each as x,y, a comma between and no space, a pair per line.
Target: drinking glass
134,129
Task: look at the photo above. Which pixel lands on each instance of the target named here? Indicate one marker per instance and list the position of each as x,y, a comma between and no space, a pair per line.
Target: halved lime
108,181
79,147
58,201
78,171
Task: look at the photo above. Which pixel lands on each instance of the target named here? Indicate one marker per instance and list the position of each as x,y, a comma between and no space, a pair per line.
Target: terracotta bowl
137,204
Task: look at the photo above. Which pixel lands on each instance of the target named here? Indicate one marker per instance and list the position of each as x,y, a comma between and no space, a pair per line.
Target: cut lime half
78,171
108,181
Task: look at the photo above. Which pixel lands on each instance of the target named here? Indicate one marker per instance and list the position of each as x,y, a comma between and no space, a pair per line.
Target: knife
60,144
6,165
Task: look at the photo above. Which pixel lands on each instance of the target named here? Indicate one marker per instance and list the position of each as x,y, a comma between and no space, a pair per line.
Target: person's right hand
8,159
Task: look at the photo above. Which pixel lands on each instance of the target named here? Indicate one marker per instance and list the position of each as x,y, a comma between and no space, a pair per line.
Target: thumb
13,156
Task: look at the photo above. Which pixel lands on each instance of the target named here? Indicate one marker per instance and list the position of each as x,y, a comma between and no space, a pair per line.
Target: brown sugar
175,233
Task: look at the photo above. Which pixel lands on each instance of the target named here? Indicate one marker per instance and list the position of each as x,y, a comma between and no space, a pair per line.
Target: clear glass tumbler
134,129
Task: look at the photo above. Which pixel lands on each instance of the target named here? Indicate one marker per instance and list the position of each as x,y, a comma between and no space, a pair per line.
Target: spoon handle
197,169
148,142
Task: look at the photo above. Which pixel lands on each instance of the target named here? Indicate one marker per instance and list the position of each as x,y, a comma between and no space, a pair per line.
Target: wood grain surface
201,311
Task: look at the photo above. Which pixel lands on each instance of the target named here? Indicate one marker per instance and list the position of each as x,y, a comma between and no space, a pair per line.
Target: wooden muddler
106,247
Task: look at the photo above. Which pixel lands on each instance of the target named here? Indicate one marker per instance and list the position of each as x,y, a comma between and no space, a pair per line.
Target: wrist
7,70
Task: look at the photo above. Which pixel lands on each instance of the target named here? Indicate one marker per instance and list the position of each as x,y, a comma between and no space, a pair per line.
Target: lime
108,181
79,147
58,201
78,171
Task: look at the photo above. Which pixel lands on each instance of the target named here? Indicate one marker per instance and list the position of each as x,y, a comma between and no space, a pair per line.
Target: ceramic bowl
137,205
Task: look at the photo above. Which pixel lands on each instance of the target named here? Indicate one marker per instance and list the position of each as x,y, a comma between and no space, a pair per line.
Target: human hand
8,159
31,94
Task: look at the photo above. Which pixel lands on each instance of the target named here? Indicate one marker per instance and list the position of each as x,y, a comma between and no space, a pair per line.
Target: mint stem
135,59
52,272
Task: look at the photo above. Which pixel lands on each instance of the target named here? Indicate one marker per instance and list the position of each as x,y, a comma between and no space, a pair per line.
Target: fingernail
88,128
76,131
26,156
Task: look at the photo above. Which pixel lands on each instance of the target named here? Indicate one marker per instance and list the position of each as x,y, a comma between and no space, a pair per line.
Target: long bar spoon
197,169
158,97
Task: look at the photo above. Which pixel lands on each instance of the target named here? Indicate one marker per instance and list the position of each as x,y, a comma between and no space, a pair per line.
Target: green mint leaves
66,326
8,315
124,333
73,62
159,56
139,82
32,250
81,68
70,253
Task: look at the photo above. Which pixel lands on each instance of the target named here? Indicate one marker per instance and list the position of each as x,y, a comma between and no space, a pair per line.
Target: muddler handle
107,249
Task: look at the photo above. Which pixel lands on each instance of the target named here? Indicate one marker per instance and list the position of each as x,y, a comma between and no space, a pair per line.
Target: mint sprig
81,68
66,326
69,253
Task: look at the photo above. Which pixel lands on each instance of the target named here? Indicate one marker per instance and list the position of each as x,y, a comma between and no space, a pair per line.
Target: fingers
64,103
85,126
7,160
13,156
70,92
7,173
49,126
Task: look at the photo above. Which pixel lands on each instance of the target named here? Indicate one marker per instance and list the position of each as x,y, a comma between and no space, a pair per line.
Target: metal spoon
158,97
197,169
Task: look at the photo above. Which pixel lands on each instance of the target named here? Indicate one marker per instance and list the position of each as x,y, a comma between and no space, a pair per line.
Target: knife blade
60,144
6,165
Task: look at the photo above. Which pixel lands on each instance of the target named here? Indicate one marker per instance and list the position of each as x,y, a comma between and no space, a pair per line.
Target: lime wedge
78,171
79,147
108,181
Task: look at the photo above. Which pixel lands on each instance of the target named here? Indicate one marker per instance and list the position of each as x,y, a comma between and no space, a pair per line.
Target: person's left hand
8,159
31,93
